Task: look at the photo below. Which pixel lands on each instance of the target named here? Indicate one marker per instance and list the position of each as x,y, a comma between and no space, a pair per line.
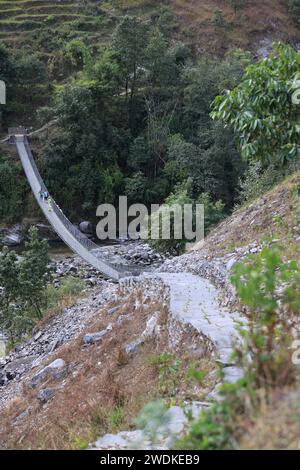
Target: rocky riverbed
74,319
133,254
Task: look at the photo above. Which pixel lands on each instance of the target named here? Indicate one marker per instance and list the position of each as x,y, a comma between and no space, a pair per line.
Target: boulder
56,370
45,394
86,227
92,338
47,233
13,236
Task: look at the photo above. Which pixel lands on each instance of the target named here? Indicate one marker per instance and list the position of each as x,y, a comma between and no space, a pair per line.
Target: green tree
213,213
23,285
13,190
129,42
261,109
34,274
294,9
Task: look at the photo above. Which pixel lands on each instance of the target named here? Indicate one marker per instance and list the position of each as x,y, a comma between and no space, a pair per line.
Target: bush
69,288
269,287
258,180
213,213
23,283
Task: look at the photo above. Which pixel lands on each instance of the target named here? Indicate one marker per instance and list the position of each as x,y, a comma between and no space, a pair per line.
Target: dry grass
257,20
65,303
245,28
276,425
104,389
276,215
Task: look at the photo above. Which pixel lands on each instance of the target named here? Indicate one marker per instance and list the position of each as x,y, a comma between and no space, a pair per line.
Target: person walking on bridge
49,200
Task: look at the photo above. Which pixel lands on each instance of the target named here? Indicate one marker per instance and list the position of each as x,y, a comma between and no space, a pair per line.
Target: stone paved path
194,300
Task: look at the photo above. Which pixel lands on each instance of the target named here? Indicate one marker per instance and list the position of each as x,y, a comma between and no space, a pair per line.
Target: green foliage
34,273
269,288
294,9
13,190
261,109
115,418
88,154
78,54
257,180
25,77
23,283
213,213
70,287
213,430
168,367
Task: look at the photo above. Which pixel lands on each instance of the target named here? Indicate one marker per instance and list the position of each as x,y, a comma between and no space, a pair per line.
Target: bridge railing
85,241
123,270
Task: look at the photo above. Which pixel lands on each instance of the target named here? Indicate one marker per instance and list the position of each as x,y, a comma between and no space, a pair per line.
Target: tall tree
261,109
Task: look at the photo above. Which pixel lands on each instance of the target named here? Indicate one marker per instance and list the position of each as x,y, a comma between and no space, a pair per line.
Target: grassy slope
106,387
275,215
20,20
83,410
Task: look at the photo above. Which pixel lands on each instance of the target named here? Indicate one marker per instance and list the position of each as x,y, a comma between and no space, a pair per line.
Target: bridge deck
77,241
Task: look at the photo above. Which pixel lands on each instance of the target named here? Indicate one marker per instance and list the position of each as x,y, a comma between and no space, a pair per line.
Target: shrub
258,180
70,287
23,283
213,213
269,288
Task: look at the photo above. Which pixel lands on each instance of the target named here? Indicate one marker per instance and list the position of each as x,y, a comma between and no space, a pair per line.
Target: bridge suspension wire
71,235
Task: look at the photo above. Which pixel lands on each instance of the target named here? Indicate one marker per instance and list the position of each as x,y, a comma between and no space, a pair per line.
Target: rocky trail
194,307
193,302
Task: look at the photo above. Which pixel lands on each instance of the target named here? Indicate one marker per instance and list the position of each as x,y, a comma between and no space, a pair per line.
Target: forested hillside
131,83
175,102
211,26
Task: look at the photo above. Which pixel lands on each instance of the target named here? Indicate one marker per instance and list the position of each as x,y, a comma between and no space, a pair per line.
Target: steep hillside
274,217
212,26
97,386
215,26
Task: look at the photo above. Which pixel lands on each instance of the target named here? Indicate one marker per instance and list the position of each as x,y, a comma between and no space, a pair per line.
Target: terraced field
24,23
209,25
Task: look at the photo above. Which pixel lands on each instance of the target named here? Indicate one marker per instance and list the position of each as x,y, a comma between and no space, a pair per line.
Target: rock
92,338
133,348
86,227
45,394
21,416
57,370
72,270
46,232
92,281
19,365
13,236
151,327
231,263
159,433
232,374
113,310
119,441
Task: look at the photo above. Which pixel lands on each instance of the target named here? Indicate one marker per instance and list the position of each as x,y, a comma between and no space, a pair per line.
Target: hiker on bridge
44,195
